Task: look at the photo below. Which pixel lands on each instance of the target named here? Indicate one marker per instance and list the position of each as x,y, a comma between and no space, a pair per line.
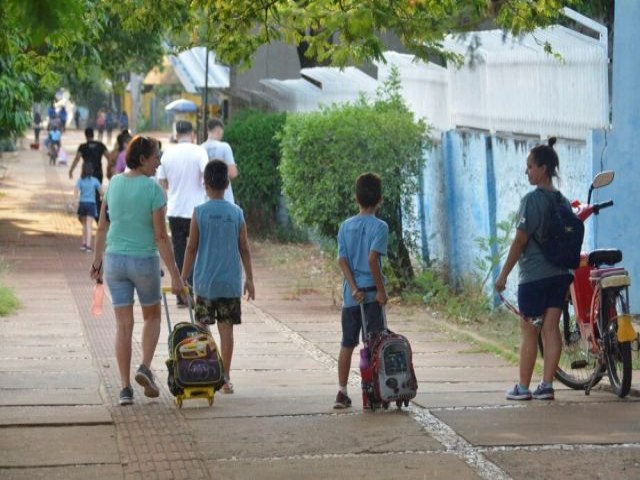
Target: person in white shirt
219,150
181,175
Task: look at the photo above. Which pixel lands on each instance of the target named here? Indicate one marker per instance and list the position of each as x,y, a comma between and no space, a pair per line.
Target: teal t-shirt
218,268
87,187
131,202
531,219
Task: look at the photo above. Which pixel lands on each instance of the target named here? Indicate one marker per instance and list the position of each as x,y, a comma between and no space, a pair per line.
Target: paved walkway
59,416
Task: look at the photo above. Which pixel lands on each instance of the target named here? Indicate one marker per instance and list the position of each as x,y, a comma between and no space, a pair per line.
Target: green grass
9,303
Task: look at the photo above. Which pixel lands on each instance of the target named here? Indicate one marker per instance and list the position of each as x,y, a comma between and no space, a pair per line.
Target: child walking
362,241
219,246
542,286
84,194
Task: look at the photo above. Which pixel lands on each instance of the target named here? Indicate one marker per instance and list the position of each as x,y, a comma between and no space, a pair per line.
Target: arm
516,249
192,248
245,255
76,195
164,247
376,273
233,172
101,236
348,276
73,165
164,184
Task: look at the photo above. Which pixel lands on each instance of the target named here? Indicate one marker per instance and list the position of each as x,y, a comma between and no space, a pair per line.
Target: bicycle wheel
578,364
618,354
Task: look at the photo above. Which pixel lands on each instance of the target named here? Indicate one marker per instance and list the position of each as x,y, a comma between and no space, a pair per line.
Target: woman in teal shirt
133,228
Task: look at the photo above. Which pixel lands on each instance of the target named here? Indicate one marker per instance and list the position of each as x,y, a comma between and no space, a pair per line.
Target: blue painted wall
619,149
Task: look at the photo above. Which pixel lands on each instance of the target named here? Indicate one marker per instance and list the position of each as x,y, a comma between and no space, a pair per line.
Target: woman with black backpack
542,285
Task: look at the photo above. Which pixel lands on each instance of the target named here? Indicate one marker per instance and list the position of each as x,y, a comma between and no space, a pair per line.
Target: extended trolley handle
166,290
364,322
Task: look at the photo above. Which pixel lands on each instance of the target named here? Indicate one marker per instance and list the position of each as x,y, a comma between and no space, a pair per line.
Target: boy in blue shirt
362,241
85,191
219,247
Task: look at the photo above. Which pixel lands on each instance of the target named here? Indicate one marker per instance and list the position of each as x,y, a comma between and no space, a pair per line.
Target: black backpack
562,242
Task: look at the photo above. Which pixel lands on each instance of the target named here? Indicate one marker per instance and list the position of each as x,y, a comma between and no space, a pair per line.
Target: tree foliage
258,188
338,32
324,152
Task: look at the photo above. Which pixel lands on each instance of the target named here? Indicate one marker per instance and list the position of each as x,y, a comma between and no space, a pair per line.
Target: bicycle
596,324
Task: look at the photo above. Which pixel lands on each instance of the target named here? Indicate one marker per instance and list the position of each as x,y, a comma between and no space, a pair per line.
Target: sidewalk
59,416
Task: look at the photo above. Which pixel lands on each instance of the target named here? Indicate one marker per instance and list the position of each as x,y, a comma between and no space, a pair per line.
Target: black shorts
224,310
534,298
351,322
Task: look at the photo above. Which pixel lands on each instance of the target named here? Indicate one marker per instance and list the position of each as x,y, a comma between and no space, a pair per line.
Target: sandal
228,388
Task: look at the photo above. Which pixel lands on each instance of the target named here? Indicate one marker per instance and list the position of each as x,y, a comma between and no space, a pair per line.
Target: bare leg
552,342
226,346
124,331
344,365
150,332
528,351
86,227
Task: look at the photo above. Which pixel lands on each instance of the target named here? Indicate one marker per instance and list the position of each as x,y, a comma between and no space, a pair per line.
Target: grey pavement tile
27,447
59,415
265,437
51,379
48,396
71,472
620,463
542,422
410,466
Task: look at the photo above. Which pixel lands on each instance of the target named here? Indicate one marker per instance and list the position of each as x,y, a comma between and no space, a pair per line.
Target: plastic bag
97,299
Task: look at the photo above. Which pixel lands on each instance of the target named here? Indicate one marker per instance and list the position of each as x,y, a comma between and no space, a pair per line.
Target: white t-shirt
183,168
217,150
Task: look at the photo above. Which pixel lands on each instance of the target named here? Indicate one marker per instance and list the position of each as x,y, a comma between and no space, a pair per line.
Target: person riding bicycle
542,286
55,136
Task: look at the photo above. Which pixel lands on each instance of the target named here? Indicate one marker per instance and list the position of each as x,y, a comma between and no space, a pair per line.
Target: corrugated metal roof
190,68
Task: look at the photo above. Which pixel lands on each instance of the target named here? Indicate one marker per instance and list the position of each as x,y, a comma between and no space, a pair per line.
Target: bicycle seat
604,257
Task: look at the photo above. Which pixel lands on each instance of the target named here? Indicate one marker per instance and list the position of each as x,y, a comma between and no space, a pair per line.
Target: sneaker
544,393
519,393
342,401
126,396
180,303
83,248
145,378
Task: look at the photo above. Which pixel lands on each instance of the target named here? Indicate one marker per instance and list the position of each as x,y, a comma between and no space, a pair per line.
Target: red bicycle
596,328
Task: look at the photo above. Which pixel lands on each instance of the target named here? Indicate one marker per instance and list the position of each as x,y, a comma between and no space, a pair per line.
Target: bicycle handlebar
599,206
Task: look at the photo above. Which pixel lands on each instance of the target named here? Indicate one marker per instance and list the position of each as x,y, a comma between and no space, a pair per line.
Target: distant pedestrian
76,118
85,195
37,126
123,121
118,156
219,246
109,125
101,123
91,152
362,241
134,233
217,149
63,118
51,112
181,175
54,143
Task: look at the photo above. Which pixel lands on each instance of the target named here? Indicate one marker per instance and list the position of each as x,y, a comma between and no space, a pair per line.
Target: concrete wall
619,149
472,181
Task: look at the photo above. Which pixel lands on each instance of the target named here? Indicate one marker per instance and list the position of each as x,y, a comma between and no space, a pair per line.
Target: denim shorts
351,322
534,298
124,273
87,209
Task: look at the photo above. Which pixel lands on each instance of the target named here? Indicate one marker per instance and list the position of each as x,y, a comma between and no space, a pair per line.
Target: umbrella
181,106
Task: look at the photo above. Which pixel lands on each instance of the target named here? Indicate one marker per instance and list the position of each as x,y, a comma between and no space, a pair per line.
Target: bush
8,301
255,148
324,152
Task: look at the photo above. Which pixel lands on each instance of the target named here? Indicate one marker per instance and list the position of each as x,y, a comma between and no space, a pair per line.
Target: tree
323,153
338,32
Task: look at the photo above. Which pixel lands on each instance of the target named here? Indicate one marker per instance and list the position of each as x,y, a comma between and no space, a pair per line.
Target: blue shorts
124,273
351,322
534,298
87,209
